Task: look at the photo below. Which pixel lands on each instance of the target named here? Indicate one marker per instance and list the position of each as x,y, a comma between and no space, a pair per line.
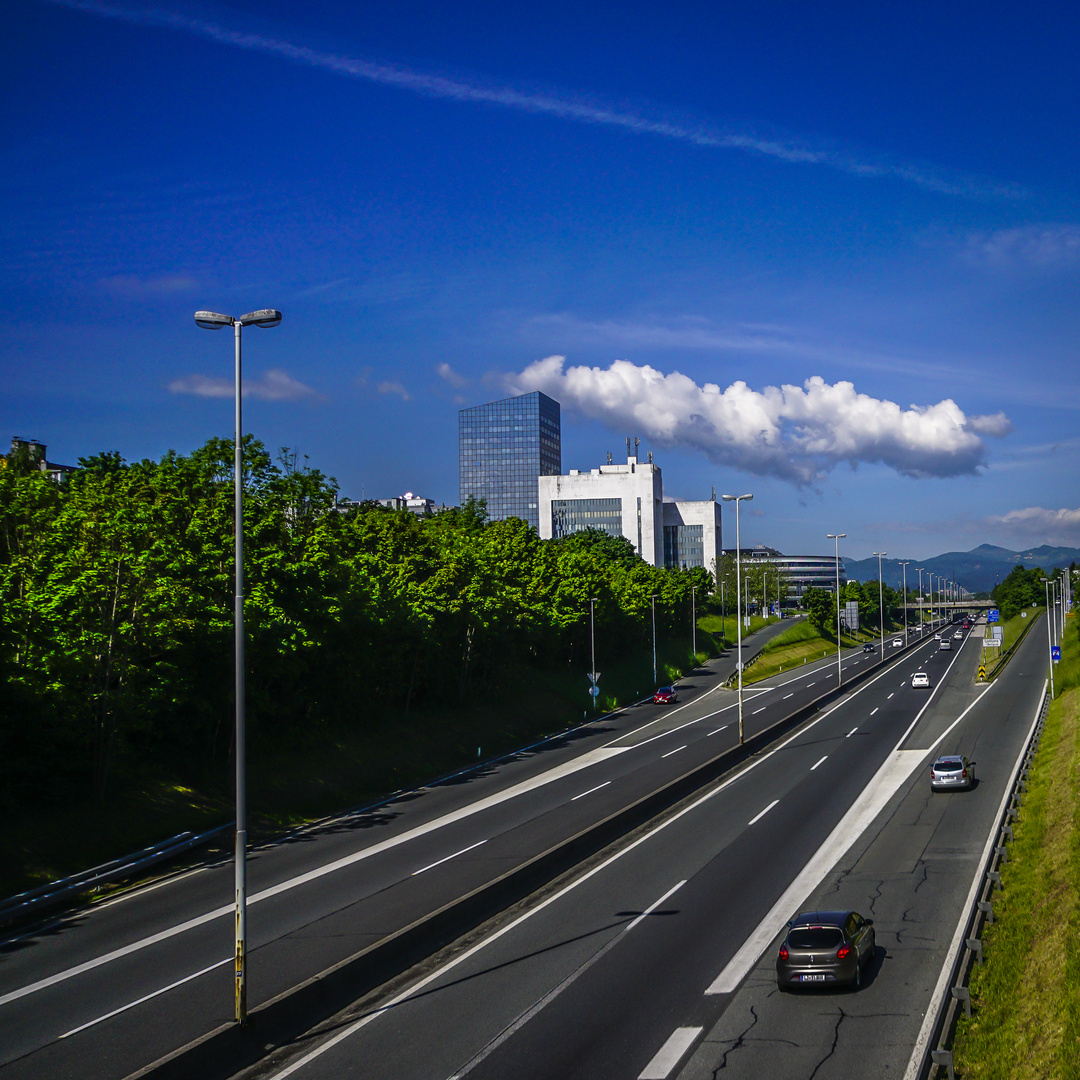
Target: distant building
415,504
628,500
35,453
800,571
504,447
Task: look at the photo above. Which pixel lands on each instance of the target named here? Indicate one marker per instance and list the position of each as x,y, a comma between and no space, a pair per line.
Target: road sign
993,615
594,677
594,690
982,672
991,643
997,632
1055,652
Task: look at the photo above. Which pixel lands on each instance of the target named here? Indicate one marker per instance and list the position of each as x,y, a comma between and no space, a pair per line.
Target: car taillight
963,775
843,952
783,952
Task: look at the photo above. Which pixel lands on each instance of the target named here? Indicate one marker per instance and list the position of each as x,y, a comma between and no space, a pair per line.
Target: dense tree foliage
116,590
1021,589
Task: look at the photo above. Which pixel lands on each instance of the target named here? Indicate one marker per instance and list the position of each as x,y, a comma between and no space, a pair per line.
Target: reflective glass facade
684,546
576,515
503,447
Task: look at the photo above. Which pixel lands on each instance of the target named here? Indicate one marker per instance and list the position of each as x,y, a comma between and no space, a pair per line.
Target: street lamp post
736,499
653,599
211,320
881,602
839,668
1049,639
905,566
693,620
593,677
920,569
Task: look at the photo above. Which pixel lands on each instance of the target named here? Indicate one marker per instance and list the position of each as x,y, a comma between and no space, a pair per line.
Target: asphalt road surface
656,959
104,993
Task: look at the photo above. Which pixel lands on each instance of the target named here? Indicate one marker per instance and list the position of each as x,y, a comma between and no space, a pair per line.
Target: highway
120,986
656,959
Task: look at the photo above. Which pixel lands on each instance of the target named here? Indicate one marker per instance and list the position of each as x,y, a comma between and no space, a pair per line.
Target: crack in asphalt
737,1044
925,874
832,1049
877,895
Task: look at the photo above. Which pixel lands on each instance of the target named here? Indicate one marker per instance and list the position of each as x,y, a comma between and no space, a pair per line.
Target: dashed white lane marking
590,791
889,698
529,1013
885,783
675,751
147,997
670,1054
872,711
852,732
786,696
754,820
447,858
670,731
818,762
718,730
756,711
808,685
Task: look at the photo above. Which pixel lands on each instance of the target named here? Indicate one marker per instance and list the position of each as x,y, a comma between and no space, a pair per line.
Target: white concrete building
628,500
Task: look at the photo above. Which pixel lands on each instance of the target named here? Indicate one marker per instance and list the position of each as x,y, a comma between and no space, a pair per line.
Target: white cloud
1035,525
394,388
1026,246
274,385
704,134
796,433
448,374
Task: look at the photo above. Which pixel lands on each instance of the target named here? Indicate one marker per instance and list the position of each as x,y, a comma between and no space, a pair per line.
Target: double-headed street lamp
594,675
736,499
881,602
693,620
210,320
839,669
653,599
920,569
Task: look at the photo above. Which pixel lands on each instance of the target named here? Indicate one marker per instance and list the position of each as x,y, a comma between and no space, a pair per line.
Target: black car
869,646
825,948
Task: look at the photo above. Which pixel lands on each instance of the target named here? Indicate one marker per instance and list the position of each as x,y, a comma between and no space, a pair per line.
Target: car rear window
815,937
948,766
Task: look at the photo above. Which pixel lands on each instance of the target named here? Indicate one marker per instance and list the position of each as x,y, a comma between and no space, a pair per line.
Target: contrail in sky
545,104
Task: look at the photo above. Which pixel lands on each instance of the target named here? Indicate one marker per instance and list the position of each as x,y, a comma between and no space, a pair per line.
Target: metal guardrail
59,892
938,1052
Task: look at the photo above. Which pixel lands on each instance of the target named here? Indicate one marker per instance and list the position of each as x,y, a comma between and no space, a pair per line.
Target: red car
666,695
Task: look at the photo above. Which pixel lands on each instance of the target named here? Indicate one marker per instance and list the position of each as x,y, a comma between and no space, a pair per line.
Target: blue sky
829,255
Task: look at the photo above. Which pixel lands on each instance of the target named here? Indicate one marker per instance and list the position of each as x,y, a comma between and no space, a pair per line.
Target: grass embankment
1013,628
328,771
798,645
1026,998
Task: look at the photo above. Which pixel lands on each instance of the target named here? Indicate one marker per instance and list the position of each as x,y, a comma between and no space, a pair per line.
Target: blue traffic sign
993,615
1055,652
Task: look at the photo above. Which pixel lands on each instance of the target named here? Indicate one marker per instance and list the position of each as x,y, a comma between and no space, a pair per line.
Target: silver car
952,771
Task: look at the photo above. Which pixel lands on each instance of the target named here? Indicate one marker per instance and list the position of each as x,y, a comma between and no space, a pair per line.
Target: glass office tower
503,447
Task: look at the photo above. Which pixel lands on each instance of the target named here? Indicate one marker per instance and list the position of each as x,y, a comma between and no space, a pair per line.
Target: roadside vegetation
1026,997
1012,630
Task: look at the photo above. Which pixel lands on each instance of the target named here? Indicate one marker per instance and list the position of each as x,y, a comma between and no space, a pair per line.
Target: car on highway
869,646
952,771
897,642
825,948
666,695
920,679
958,634
946,645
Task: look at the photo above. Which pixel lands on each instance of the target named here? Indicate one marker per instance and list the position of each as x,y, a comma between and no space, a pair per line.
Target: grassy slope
1026,999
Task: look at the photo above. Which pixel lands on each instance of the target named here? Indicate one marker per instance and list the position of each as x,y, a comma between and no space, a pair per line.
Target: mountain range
978,570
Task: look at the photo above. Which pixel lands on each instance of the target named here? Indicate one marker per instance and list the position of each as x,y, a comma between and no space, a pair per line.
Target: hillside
978,570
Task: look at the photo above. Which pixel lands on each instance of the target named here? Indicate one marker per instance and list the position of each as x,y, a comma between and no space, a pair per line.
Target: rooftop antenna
650,457
609,457
627,445
637,443
714,493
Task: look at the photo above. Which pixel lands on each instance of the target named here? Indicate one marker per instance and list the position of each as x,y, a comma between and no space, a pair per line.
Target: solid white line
717,731
590,791
894,772
447,858
670,1054
755,820
675,751
147,997
818,762
915,1063
851,732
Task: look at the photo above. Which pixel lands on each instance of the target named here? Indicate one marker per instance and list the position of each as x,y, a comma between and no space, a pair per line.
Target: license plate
813,978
